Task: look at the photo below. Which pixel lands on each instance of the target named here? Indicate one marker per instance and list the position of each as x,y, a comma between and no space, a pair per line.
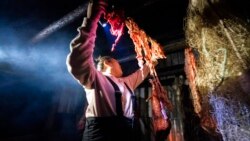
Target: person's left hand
155,62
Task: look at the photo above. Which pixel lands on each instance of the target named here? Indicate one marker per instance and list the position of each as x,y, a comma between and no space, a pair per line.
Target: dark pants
111,129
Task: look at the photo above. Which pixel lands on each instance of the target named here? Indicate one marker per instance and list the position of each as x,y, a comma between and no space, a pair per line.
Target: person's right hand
81,124
95,7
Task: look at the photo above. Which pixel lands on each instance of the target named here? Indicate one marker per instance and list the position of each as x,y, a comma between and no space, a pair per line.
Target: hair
100,62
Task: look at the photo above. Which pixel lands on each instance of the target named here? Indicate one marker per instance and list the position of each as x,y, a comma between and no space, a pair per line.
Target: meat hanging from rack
160,102
116,19
191,71
146,48
147,51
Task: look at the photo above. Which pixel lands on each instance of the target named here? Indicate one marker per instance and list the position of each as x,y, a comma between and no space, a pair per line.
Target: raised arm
136,78
80,59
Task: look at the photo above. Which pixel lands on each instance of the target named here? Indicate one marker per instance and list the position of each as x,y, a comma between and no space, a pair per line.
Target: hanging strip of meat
116,20
147,51
190,70
146,48
159,102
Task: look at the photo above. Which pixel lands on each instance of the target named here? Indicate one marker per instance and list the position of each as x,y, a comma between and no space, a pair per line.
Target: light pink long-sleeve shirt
99,91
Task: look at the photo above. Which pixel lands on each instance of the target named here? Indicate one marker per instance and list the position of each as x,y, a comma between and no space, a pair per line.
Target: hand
155,62
95,7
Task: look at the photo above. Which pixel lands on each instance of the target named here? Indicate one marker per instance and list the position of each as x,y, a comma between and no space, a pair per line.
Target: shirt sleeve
136,78
80,61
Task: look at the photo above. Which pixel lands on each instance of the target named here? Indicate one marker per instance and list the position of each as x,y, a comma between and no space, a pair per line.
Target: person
110,113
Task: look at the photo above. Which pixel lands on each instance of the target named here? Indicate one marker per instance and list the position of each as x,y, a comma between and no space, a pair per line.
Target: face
114,67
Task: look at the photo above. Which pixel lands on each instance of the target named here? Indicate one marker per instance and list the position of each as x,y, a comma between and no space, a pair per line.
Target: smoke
34,82
33,61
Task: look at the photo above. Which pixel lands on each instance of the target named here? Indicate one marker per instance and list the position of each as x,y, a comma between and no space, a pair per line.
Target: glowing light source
103,24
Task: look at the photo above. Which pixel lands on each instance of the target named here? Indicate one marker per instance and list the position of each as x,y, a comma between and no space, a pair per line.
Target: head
109,65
